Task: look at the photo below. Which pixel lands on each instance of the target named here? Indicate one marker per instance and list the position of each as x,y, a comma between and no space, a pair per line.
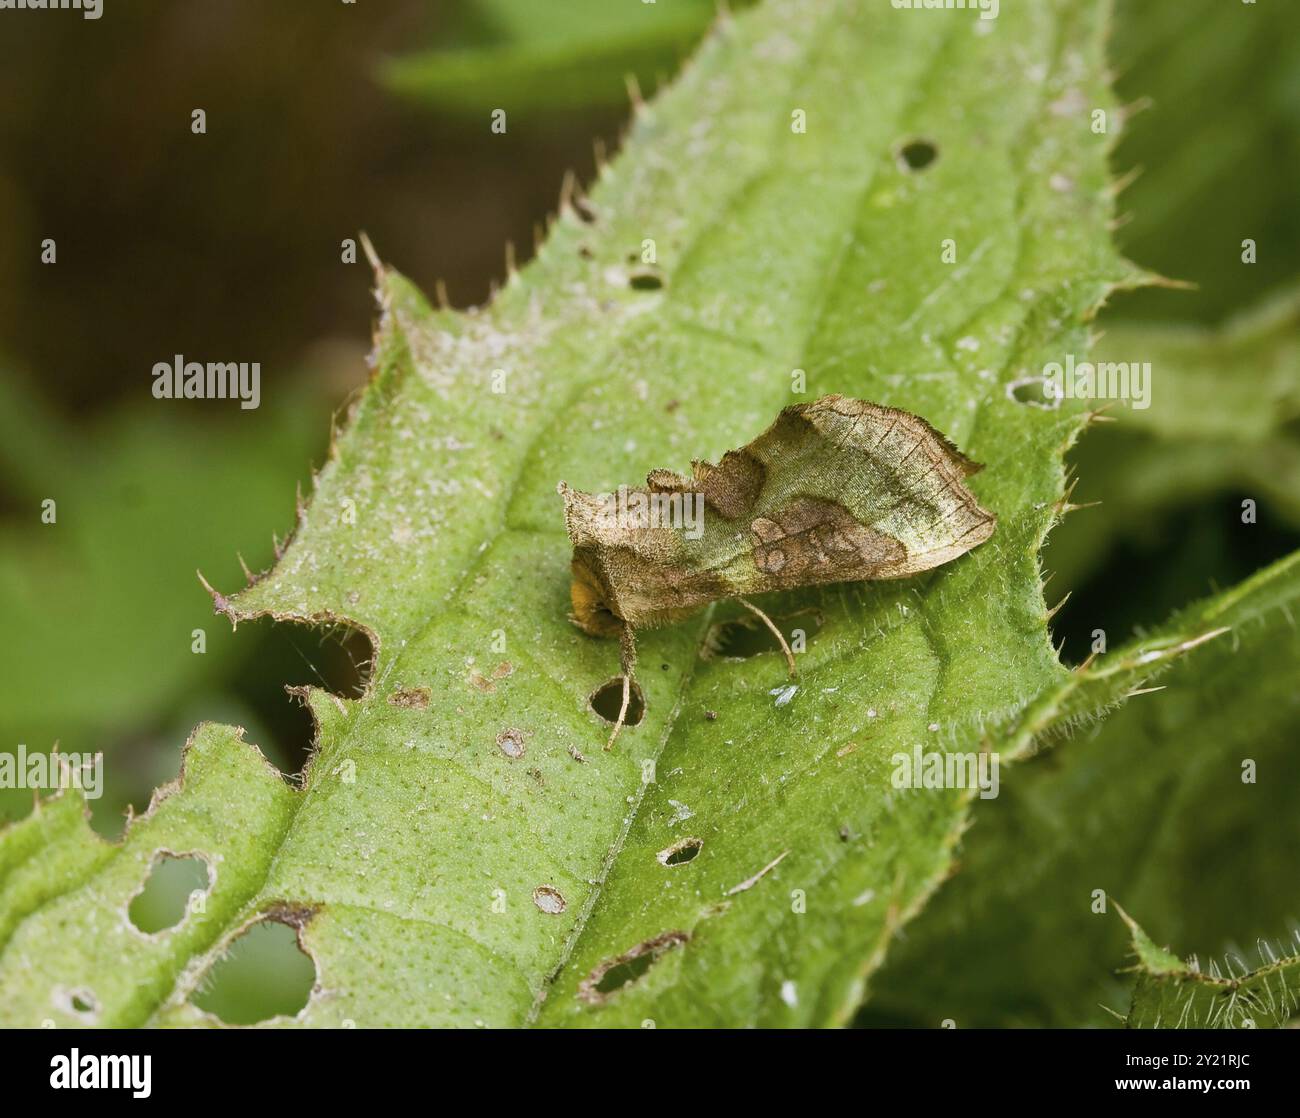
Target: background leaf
1150,807
1217,150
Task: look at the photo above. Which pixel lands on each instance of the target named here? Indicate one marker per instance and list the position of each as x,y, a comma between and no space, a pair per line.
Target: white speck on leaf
784,694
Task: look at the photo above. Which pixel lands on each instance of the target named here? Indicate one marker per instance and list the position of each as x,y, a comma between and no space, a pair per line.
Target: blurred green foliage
535,59
1216,150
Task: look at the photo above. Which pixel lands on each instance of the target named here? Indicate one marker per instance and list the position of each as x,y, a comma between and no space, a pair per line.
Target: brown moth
837,490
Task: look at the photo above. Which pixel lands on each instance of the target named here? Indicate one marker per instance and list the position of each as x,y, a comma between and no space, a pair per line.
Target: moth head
594,608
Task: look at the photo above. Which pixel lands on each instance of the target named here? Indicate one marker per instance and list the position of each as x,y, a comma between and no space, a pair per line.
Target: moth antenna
789,656
627,665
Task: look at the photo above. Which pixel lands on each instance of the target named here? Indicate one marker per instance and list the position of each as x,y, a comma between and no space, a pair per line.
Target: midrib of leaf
839,1012
580,926
832,276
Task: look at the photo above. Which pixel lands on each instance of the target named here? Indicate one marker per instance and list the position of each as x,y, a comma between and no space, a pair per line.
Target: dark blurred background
325,119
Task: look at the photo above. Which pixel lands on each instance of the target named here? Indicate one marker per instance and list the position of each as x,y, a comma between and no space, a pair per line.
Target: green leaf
425,858
64,892
1153,807
1172,994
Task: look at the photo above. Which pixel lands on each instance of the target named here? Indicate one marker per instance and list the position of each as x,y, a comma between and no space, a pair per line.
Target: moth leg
627,665
789,656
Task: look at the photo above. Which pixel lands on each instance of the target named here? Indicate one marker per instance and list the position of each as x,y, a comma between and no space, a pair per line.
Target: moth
837,490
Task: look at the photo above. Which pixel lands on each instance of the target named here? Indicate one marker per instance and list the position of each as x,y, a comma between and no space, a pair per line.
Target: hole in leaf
337,658
80,1001
916,155
615,974
1037,392
608,698
743,637
680,852
265,974
645,279
623,973
165,897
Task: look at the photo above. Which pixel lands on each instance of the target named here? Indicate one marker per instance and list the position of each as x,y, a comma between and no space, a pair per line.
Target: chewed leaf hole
680,852
623,974
168,894
288,656
618,973
646,279
608,698
265,974
1035,391
916,155
81,1002
747,636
